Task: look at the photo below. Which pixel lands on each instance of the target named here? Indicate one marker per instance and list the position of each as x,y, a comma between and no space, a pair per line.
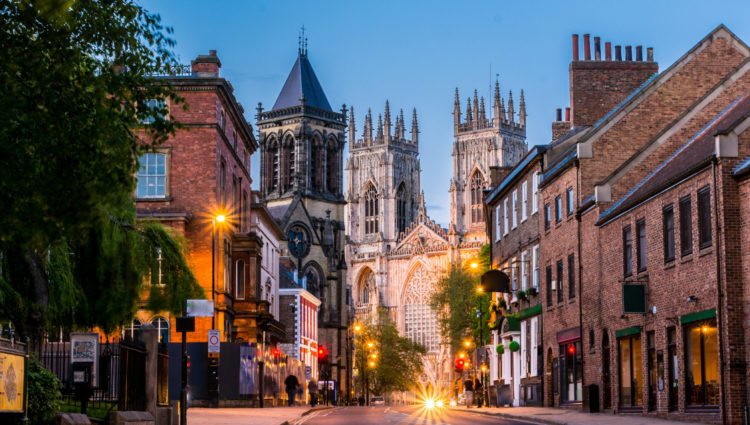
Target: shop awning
495,281
633,330
701,315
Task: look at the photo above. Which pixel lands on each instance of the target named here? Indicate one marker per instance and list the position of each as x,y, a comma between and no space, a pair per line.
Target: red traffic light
460,363
322,353
276,352
572,349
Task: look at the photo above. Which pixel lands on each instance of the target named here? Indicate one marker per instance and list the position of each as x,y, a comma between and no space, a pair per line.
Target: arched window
312,279
371,210
366,285
401,211
288,166
420,323
332,166
239,279
477,184
316,164
273,167
162,325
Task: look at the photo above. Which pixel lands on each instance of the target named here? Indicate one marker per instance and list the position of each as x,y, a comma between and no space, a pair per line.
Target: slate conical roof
302,80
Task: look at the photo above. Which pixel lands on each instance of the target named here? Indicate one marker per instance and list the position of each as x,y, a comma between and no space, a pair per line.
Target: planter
500,349
514,346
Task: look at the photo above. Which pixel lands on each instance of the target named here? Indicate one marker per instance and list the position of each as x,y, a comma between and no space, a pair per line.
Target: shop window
673,381
702,364
651,344
630,371
571,372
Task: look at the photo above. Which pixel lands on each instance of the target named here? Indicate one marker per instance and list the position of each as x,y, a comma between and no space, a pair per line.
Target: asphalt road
410,415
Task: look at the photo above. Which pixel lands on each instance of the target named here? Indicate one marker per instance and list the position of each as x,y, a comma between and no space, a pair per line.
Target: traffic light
460,364
322,354
276,352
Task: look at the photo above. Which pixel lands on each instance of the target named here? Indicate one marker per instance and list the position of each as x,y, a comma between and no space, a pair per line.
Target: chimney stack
567,113
559,127
559,114
597,49
618,53
650,54
206,65
586,47
639,53
629,53
575,47
608,50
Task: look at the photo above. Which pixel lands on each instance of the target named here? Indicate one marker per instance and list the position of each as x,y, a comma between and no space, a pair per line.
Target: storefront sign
12,373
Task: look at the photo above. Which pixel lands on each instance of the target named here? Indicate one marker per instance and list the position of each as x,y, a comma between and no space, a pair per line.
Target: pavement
246,416
402,415
555,416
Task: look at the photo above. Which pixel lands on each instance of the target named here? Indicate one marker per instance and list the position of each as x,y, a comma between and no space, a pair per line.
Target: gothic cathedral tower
302,150
482,146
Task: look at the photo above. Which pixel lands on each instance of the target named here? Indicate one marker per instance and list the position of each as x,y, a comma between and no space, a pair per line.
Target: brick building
641,203
513,220
200,173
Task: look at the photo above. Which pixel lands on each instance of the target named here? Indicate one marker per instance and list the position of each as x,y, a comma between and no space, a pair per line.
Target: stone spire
456,112
475,111
414,128
511,111
497,103
379,137
522,111
387,123
352,127
368,126
482,115
503,118
468,111
401,125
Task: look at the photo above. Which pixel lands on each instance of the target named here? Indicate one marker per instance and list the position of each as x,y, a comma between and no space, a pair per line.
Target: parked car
377,401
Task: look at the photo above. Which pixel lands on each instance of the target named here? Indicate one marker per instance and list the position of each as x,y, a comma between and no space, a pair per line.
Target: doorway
606,376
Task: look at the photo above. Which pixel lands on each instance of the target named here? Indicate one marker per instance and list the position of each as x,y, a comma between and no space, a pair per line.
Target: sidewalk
245,415
554,416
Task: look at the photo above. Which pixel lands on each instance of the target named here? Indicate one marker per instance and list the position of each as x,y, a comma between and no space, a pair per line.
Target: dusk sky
415,53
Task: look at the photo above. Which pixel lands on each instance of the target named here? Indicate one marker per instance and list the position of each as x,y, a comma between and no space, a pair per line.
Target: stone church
302,141
395,253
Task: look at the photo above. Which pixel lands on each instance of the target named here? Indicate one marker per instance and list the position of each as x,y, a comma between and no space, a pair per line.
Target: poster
248,370
84,347
11,382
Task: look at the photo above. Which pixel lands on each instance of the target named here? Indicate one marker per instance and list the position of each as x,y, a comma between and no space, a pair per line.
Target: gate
132,376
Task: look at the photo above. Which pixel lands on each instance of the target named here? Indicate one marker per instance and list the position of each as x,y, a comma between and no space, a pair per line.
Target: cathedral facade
395,253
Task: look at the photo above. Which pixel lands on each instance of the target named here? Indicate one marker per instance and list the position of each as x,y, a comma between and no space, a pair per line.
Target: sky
415,53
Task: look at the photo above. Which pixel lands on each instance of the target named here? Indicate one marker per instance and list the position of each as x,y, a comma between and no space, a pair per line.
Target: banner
12,374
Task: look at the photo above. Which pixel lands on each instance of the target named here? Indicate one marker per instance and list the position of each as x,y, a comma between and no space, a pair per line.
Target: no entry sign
214,341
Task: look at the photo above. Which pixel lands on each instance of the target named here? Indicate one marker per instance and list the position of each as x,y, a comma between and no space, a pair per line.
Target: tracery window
477,184
420,322
367,284
371,210
401,212
312,279
288,166
316,164
332,161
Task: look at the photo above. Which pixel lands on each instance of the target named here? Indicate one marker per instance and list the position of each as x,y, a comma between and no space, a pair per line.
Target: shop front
570,366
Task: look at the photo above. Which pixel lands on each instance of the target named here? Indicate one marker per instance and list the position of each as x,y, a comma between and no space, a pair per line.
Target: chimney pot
618,53
650,54
639,53
586,47
608,50
559,114
597,49
212,52
575,47
628,53
567,114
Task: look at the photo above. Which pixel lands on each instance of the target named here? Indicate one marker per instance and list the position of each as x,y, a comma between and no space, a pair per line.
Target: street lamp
218,218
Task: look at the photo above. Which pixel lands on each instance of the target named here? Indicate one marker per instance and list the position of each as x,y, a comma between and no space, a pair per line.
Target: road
409,415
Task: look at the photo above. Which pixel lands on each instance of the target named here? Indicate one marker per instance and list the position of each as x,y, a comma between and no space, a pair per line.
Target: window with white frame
535,266
524,200
152,176
534,345
497,223
535,193
524,279
513,274
515,209
505,216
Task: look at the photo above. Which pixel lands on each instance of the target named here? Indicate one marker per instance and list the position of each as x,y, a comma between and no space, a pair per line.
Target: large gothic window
401,211
316,164
366,285
332,167
371,210
420,322
272,167
477,185
289,163
312,278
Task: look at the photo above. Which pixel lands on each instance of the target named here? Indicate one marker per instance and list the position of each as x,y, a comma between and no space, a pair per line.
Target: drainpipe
719,295
580,276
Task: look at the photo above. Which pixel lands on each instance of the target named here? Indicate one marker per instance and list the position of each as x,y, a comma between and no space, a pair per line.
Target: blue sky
415,53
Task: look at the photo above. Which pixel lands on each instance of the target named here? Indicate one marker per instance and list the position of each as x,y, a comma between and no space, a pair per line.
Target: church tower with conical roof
301,141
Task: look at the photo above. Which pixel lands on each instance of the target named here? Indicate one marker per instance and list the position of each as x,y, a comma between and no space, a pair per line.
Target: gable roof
302,81
687,159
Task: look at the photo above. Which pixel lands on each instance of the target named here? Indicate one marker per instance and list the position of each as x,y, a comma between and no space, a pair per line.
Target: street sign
200,308
214,341
186,324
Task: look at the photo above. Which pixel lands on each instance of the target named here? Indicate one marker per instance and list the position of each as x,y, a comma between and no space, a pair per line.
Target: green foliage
77,76
398,360
500,349
457,302
514,346
44,394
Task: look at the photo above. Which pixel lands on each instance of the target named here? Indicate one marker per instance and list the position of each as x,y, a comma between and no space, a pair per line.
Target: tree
457,301
77,90
397,361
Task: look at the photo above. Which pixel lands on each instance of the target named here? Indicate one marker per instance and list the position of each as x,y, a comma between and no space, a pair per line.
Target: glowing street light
220,218
474,264
480,289
357,327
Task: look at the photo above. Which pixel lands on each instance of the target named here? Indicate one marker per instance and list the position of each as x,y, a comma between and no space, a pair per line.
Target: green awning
633,330
529,312
701,315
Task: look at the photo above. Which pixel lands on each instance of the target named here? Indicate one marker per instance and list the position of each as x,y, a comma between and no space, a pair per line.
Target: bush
44,394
